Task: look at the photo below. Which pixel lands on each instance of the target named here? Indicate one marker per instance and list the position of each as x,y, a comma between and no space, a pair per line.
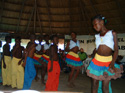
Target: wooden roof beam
84,15
18,24
70,10
93,7
30,19
48,7
31,5
34,16
41,30
2,6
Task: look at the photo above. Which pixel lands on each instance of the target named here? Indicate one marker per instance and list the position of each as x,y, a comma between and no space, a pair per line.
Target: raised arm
67,47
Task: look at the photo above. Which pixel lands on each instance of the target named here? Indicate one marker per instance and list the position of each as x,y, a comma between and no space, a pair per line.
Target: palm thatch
22,17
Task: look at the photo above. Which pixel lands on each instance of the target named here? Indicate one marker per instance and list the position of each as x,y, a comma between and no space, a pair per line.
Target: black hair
53,36
74,33
100,17
7,38
18,38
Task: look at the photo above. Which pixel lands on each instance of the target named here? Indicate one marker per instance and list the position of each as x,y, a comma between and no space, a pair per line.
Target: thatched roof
59,16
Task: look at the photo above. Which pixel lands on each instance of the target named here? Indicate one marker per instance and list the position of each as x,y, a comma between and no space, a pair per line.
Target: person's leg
105,86
70,77
14,72
56,74
77,72
36,78
4,75
20,77
95,84
9,70
44,67
50,78
71,74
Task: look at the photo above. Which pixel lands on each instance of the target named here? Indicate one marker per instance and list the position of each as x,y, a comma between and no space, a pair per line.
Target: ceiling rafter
48,8
70,16
18,24
2,7
30,19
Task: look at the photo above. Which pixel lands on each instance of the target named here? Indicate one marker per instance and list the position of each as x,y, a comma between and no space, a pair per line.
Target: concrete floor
83,84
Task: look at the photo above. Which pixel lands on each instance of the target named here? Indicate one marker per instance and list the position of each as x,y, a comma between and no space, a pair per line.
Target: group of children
20,65
101,69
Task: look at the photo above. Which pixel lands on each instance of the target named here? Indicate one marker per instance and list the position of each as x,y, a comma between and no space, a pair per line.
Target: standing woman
103,67
73,59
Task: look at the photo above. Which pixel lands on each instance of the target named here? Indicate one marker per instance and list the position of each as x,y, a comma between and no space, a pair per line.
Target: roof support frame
48,8
41,30
18,24
70,10
93,7
2,6
84,14
34,16
30,19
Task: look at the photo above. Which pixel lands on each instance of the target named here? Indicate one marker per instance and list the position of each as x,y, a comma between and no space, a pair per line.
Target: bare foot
73,84
43,82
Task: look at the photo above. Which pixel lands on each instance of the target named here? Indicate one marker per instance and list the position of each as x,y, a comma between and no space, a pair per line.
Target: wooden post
84,15
2,6
20,16
48,7
35,17
29,20
41,31
70,15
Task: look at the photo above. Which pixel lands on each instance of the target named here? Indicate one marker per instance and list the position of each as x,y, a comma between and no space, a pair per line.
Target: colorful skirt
36,58
45,58
99,68
73,60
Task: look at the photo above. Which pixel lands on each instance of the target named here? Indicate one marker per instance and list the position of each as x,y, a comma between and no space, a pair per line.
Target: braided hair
100,17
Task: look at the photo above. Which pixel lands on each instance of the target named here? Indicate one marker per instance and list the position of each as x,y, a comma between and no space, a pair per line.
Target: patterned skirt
73,60
45,58
99,68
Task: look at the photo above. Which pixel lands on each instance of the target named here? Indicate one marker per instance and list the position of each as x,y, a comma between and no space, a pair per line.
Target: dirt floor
83,84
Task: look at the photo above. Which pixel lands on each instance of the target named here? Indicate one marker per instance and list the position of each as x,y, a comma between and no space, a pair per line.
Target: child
103,67
53,67
37,55
45,57
72,59
30,71
6,62
17,69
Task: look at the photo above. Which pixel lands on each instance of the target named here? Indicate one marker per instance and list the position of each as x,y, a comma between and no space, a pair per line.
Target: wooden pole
41,30
20,16
35,17
2,6
48,7
30,19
